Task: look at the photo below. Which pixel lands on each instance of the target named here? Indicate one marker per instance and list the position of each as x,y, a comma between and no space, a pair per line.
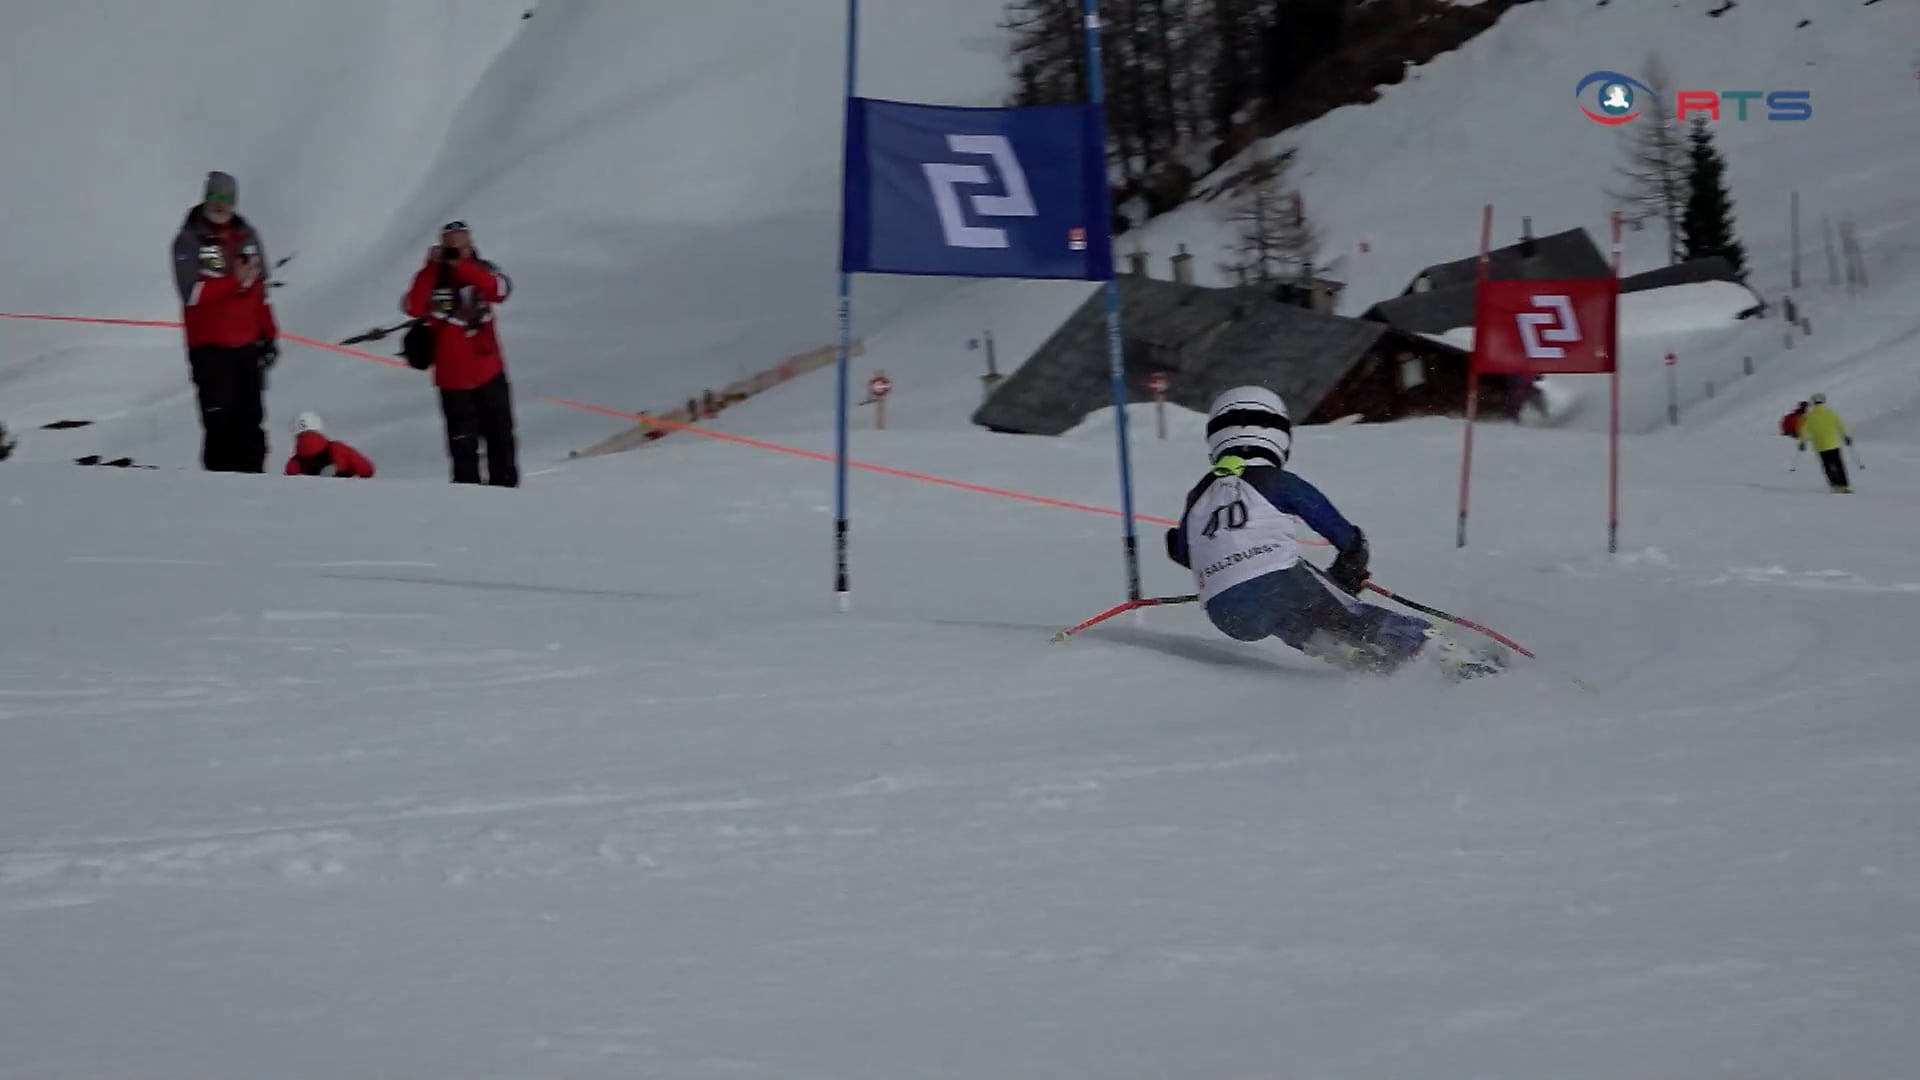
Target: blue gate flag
950,191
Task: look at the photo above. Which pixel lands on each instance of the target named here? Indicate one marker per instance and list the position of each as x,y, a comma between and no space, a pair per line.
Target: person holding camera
452,298
219,268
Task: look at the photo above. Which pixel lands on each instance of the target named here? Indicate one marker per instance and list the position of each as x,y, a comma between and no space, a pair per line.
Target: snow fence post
1673,392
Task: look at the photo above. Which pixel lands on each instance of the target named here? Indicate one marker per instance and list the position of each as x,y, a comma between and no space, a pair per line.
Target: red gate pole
1473,379
1613,424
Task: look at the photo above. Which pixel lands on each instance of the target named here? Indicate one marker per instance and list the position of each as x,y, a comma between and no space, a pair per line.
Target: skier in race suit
1239,537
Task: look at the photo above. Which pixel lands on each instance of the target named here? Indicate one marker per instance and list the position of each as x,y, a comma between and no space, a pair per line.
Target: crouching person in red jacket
454,294
316,455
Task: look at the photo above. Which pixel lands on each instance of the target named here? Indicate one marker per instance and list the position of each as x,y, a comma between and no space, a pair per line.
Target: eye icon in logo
1608,97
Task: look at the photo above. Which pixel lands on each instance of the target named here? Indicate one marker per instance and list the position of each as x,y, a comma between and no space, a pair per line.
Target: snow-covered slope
310,779
661,185
670,230
1495,122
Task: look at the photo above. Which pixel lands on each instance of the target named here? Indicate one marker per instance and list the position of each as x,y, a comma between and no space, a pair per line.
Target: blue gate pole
841,589
1116,356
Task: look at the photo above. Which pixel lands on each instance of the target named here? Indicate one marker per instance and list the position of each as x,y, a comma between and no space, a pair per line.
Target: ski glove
1175,549
1349,571
268,351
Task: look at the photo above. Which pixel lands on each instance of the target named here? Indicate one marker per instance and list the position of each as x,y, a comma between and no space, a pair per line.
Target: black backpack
417,345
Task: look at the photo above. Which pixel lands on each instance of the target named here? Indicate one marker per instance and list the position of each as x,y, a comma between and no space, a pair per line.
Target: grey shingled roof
1569,254
1428,312
1447,308
1692,272
1207,339
1449,303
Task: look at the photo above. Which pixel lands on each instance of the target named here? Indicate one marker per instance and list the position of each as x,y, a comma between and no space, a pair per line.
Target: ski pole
1454,619
1118,609
1423,608
378,333
1155,601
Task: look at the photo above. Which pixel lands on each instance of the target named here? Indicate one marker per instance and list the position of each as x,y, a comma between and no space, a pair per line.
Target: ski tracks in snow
462,842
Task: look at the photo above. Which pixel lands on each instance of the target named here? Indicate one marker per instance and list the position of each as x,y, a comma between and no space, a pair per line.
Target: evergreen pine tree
1708,222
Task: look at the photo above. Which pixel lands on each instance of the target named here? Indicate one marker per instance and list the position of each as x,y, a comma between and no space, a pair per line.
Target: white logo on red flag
1561,327
1557,324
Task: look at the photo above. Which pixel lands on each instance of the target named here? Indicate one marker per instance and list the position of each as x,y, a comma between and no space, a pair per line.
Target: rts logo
1619,99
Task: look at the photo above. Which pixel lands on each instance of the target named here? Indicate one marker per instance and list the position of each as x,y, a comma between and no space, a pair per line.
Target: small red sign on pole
878,388
1157,382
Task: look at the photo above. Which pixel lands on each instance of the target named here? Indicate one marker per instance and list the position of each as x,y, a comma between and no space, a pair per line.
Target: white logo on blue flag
950,191
943,178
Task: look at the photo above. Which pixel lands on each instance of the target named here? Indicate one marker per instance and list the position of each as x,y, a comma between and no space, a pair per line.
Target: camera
449,253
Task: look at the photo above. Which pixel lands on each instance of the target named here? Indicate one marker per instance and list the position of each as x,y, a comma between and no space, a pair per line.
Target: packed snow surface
589,779
310,778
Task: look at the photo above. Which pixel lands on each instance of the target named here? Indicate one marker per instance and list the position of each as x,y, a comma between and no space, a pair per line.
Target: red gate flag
1545,327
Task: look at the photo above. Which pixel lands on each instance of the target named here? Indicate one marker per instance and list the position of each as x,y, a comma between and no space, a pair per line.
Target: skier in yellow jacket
1823,428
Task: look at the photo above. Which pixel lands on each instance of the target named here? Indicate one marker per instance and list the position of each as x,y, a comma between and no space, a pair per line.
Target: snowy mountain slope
125,111
1410,183
550,132
588,780
662,187
1408,178
1405,175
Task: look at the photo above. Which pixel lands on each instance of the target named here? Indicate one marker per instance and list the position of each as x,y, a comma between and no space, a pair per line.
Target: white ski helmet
307,421
1250,422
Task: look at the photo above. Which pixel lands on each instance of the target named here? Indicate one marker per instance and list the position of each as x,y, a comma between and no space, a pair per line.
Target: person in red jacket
1790,423
316,455
453,294
219,268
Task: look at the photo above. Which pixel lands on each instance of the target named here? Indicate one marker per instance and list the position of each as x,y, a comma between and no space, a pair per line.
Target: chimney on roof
1137,263
1183,266
1526,238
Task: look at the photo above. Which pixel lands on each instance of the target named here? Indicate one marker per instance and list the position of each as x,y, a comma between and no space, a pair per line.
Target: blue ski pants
1291,604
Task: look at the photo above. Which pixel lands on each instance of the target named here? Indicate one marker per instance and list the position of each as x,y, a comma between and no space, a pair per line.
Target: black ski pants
1835,467
482,415
231,388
